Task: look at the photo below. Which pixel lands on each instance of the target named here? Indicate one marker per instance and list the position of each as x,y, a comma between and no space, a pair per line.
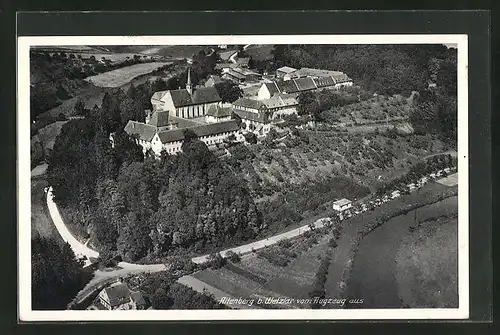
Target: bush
233,257
285,243
183,264
216,261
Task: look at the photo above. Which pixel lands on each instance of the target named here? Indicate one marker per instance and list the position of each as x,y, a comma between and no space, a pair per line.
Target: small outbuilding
342,204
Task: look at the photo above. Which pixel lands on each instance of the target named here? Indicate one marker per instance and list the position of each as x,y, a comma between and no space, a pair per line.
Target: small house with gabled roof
119,297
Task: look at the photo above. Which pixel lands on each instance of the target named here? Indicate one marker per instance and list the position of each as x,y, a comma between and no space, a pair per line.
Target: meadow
122,76
256,277
427,260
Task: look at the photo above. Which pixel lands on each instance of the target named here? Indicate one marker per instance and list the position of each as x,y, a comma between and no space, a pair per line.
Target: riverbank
381,281
357,227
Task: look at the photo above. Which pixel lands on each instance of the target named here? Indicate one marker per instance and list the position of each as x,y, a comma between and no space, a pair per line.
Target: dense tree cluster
228,91
315,103
137,208
55,274
436,113
419,170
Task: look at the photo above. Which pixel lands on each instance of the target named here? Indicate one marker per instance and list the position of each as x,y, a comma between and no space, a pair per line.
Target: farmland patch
119,77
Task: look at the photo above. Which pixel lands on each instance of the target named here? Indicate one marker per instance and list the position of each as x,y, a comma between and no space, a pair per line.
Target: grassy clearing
427,265
233,283
119,77
47,135
260,51
226,54
91,96
256,277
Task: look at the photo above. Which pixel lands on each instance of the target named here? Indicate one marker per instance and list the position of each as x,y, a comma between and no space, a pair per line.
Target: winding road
123,268
232,57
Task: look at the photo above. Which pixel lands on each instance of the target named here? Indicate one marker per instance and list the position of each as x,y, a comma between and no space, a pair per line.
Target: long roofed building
176,111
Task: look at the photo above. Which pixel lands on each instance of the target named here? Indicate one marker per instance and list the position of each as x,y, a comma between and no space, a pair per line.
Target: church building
199,110
187,103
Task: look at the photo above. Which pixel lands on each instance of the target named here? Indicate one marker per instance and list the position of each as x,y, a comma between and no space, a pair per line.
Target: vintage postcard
315,177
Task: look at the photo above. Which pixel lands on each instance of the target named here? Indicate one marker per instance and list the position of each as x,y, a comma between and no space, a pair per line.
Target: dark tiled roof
305,84
200,95
118,294
200,130
159,119
204,95
248,103
218,111
305,71
181,97
341,78
138,298
272,88
144,131
173,135
183,123
235,74
287,86
324,82
216,128
246,115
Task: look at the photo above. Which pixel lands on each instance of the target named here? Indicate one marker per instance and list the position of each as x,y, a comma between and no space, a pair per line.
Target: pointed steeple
189,88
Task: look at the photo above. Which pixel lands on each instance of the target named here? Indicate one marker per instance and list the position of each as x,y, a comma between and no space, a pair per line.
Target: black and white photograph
243,177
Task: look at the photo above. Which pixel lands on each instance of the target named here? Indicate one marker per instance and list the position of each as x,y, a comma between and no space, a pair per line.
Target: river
373,274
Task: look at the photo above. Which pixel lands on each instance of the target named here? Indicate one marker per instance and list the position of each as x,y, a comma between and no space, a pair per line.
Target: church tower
189,88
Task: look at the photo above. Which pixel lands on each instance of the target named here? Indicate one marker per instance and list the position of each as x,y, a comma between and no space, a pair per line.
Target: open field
426,265
451,180
119,77
255,277
260,51
180,51
224,55
48,134
91,96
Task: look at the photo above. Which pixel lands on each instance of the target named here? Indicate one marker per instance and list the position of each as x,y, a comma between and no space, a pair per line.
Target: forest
56,275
